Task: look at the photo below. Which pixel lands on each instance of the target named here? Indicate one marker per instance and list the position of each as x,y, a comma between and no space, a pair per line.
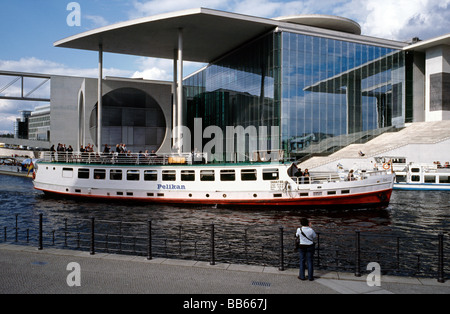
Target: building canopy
207,35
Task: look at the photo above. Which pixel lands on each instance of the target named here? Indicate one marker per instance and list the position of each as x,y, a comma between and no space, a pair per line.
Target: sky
28,29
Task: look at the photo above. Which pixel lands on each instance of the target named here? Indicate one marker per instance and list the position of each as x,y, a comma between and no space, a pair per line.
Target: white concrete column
100,92
175,96
180,89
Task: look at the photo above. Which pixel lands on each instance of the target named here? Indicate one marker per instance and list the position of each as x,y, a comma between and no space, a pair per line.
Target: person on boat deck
307,247
294,171
52,152
351,176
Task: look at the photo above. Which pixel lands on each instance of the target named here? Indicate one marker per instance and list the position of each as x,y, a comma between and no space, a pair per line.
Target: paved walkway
26,270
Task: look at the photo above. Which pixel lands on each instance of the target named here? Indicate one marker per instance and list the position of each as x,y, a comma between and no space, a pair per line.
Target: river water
411,214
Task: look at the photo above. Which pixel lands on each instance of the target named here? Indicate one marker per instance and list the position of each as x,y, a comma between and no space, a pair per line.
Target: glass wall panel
322,94
239,90
336,93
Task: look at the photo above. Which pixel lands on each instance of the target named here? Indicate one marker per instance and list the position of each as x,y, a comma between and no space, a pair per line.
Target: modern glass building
322,93
306,84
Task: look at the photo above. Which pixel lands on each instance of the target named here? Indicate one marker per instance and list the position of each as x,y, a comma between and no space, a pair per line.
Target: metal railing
318,177
422,256
123,158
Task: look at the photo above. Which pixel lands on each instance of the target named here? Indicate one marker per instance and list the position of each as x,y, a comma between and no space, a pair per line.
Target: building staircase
415,133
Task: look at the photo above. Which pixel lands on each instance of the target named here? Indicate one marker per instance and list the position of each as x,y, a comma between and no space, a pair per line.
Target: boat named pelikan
177,179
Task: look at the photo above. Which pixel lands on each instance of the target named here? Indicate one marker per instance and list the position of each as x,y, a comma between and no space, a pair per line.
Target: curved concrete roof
335,23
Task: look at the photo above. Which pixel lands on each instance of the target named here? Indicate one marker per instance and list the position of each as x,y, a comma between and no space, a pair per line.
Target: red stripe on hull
371,199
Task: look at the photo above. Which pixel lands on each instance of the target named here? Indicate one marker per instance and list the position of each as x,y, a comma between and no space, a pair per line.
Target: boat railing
317,178
123,158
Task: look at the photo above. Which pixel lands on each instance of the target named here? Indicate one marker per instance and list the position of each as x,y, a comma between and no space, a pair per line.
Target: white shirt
309,232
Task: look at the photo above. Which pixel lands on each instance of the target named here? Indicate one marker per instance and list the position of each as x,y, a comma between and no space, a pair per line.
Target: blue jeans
306,257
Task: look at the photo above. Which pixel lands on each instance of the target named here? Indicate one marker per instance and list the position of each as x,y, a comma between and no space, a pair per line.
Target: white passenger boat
415,175
425,177
178,180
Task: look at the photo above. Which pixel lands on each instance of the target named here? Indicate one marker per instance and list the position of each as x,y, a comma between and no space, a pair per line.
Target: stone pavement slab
26,270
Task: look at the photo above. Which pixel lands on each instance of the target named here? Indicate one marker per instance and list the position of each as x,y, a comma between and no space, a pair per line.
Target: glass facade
241,89
322,94
335,93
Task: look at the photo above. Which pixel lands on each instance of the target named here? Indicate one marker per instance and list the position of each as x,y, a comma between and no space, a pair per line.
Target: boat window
400,178
133,175
227,175
207,175
169,175
83,173
67,172
150,175
415,169
248,174
270,174
430,179
99,174
415,178
115,174
187,175
444,179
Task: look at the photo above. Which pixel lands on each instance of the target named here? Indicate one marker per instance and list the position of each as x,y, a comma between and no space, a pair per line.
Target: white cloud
390,19
387,18
96,21
7,123
399,19
9,112
154,69
161,69
35,65
9,109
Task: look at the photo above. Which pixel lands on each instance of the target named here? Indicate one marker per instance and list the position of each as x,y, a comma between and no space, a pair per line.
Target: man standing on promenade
307,248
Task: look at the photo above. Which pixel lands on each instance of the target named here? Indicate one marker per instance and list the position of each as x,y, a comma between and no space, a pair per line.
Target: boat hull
377,199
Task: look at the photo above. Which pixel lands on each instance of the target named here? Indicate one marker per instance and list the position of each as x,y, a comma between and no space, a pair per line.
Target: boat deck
137,159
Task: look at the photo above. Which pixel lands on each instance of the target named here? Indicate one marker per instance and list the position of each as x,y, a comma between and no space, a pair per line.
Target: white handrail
123,159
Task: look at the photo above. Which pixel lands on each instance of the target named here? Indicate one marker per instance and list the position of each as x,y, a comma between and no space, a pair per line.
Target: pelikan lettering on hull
171,187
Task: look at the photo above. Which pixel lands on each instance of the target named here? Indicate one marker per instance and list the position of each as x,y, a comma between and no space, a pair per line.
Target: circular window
132,117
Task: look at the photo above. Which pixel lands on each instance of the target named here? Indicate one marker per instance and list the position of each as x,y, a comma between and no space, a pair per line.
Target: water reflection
409,212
